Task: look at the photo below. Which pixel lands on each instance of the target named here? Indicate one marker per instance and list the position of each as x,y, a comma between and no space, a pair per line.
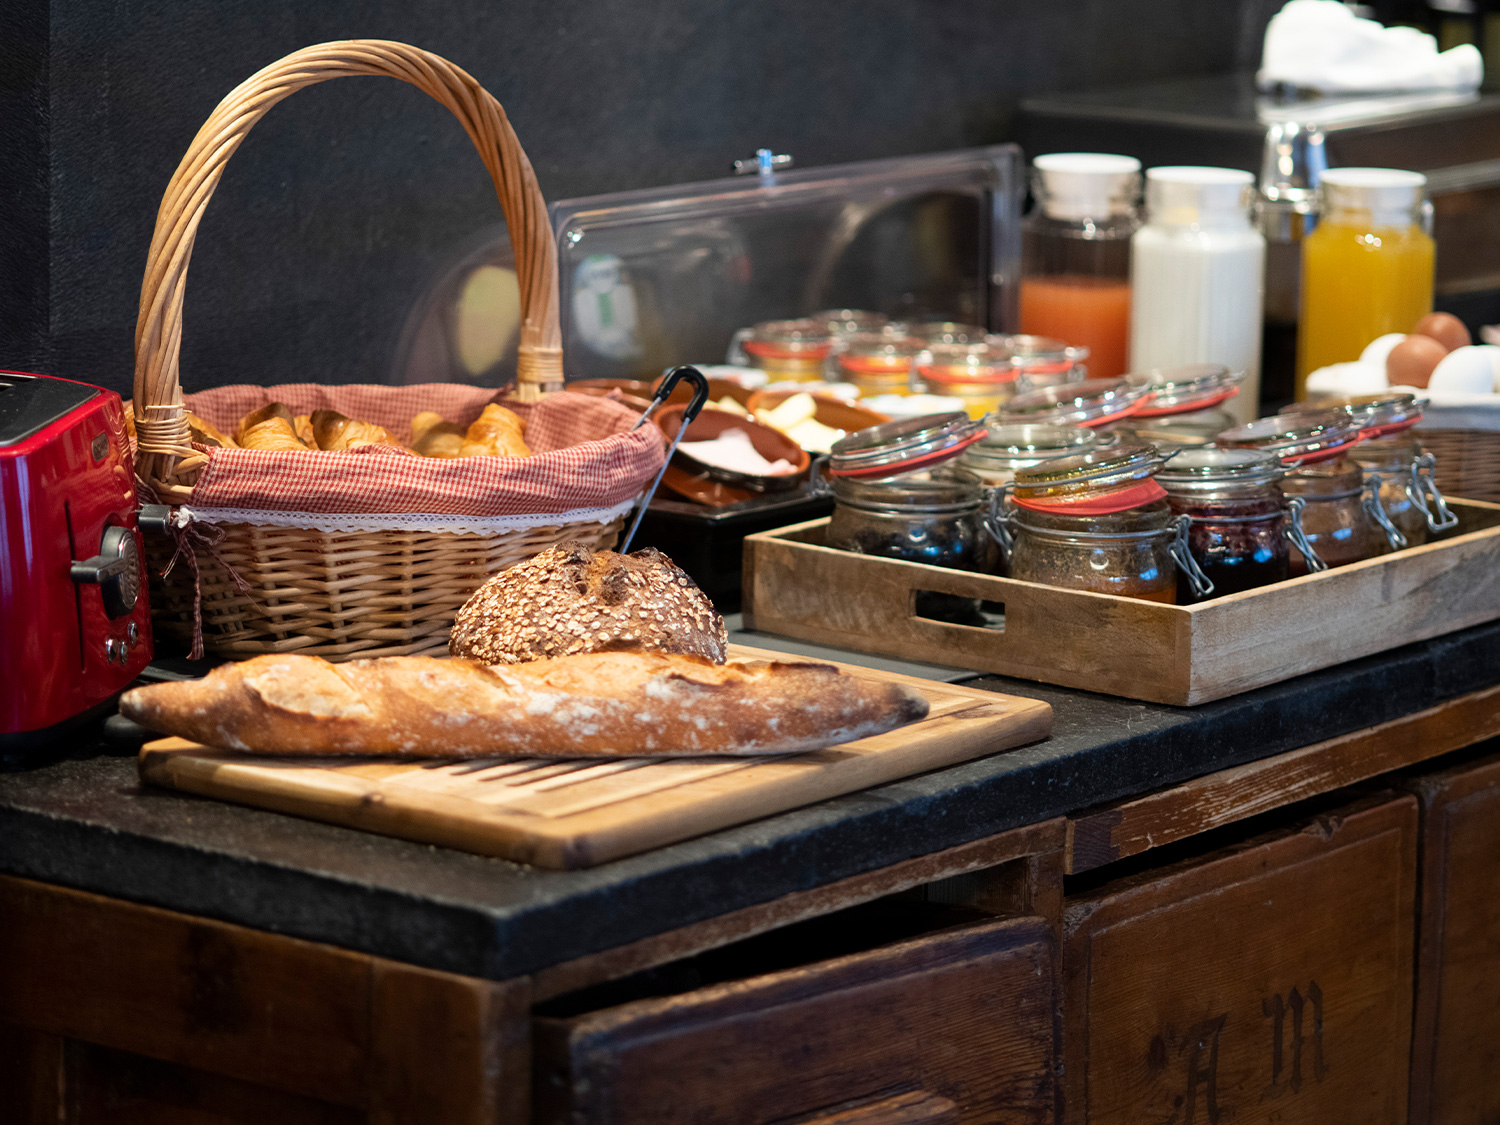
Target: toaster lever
116,570
153,518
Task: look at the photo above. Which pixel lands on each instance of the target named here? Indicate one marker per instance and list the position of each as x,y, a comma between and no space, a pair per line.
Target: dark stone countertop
85,822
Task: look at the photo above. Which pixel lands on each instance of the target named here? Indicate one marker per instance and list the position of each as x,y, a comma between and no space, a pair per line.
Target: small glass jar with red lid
1342,517
794,350
981,376
1003,449
878,363
1097,522
849,322
898,493
1408,491
945,332
1041,361
1242,525
1091,403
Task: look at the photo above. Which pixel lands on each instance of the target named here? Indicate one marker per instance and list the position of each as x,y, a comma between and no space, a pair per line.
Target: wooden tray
1182,655
572,813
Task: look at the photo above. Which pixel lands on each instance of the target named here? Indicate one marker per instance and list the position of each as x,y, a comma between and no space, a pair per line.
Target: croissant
423,422
303,425
495,433
335,432
264,414
274,432
442,439
206,434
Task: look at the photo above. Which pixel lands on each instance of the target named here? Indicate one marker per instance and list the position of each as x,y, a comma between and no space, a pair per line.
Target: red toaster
74,627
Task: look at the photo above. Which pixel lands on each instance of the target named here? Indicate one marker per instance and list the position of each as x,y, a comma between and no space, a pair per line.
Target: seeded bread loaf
571,600
598,704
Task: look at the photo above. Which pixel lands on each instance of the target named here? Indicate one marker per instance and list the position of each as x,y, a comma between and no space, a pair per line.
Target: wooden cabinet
1456,1045
1270,981
116,1013
951,1026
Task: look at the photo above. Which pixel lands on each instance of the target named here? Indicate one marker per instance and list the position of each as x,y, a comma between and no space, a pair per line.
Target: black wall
334,214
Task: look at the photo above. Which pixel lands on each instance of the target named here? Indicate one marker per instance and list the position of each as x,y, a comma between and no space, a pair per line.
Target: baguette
603,704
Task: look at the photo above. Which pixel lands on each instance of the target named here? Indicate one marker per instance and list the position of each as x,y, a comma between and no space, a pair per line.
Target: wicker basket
1468,462
246,588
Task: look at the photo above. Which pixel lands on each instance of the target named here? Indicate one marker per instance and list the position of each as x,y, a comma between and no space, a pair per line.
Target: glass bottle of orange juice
1075,254
1367,269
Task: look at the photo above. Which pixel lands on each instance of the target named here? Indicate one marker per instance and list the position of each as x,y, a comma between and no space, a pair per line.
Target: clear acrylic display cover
662,276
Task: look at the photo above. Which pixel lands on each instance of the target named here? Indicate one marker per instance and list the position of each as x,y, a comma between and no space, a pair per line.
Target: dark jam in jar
1238,513
930,517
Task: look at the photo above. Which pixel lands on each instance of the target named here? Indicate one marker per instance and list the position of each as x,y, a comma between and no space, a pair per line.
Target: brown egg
1411,361
1446,329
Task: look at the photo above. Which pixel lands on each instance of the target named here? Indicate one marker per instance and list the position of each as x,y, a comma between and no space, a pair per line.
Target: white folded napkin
1322,45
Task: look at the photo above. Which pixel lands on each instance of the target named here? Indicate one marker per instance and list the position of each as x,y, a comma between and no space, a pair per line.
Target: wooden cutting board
569,813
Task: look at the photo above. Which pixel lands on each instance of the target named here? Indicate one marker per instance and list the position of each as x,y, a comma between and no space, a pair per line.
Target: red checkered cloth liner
583,455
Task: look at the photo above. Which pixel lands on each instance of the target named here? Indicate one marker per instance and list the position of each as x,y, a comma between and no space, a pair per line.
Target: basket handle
165,459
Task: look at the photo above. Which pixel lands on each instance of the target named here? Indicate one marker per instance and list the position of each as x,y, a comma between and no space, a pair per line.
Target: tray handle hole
951,609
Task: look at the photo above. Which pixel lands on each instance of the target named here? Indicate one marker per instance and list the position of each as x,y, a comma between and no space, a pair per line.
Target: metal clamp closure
1376,511
1201,585
997,520
1424,489
1296,535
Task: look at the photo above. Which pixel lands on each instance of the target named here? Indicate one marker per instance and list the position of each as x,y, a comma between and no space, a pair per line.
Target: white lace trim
397,521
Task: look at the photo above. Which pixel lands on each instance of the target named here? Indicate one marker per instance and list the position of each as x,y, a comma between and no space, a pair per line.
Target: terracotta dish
831,411
771,444
717,389
635,393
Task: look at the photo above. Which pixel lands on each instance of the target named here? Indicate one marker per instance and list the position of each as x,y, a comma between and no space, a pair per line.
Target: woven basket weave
1468,462
336,594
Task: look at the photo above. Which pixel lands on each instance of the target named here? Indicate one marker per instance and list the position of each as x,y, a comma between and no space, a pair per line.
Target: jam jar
1091,403
878,363
788,350
1098,522
980,375
898,492
1003,449
946,332
1408,492
1190,389
1342,518
847,322
1393,462
1041,361
1241,525
932,516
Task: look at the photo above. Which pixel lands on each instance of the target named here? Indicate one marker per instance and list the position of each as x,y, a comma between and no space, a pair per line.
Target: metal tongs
700,396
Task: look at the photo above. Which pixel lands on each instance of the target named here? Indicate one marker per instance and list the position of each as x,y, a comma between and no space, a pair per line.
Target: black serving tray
708,542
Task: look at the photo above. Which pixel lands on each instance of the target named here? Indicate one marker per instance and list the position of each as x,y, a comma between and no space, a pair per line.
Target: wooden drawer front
1456,1051
1269,982
960,1022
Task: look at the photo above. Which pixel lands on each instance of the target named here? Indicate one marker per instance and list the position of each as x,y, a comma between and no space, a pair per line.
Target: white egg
1469,370
1380,347
1359,378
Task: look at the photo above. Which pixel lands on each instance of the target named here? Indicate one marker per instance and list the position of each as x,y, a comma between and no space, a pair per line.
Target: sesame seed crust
570,599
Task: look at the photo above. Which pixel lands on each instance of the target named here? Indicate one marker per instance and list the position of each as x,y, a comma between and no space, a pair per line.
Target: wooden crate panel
1182,655
583,812
955,1027
1456,1048
140,1013
1270,982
